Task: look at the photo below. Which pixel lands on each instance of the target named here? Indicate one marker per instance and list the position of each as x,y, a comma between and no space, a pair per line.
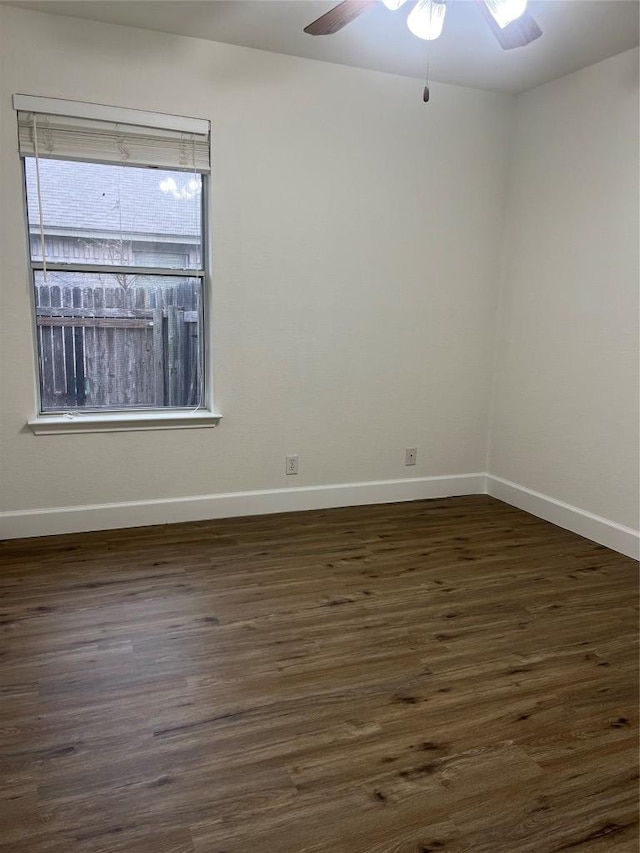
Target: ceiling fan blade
518,33
338,17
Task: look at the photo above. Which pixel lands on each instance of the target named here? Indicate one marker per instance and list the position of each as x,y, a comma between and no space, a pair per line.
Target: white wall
565,416
355,268
359,239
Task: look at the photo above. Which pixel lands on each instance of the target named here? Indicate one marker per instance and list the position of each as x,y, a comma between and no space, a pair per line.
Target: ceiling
577,33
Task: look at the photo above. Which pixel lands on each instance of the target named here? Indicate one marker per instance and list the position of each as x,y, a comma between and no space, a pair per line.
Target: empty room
319,426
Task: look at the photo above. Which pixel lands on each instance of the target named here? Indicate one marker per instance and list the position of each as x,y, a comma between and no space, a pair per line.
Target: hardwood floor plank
446,676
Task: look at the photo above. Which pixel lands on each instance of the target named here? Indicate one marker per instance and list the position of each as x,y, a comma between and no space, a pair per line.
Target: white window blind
110,135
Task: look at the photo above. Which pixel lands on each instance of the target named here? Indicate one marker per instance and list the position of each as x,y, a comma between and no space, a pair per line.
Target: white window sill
122,421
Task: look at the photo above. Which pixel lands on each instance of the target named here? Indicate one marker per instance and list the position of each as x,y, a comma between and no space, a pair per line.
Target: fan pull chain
425,94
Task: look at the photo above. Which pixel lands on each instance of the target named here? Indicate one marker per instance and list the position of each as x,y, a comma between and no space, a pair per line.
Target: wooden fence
110,347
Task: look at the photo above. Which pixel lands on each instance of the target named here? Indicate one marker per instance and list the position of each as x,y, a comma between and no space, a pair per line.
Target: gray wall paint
565,418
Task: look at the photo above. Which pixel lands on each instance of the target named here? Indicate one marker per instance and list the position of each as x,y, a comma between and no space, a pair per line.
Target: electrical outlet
410,455
292,465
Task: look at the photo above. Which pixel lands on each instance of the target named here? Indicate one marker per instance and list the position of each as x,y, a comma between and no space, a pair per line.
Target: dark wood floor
449,675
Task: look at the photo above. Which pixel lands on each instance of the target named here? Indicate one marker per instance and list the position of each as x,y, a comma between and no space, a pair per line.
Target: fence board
69,355
118,355
47,393
193,364
119,313
59,379
94,322
90,349
103,312
158,358
174,351
101,374
78,353
110,347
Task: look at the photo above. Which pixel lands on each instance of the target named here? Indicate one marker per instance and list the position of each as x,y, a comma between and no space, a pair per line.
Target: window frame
134,418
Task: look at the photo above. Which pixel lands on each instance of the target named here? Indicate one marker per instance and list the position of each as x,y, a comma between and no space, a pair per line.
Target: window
116,213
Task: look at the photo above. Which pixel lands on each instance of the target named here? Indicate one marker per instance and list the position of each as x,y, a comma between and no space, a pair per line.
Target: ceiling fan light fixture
393,5
426,19
505,12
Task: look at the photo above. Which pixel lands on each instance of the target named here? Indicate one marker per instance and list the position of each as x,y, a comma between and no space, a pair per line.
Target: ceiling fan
508,19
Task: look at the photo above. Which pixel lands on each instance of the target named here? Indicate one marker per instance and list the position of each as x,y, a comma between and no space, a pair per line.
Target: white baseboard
77,519
622,539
